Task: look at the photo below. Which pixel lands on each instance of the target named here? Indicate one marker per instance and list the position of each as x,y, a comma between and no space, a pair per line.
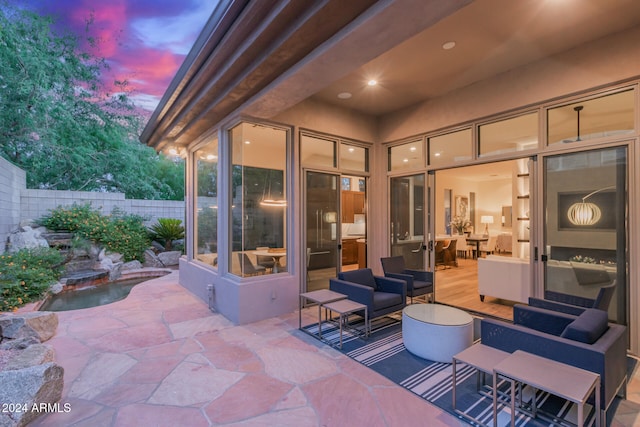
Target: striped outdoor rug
385,353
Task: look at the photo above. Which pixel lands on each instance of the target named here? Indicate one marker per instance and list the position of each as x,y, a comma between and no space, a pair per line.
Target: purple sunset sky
143,41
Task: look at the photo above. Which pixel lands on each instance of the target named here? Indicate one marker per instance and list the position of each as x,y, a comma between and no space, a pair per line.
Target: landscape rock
157,247
18,344
151,259
131,265
26,238
170,258
34,355
56,288
36,385
39,324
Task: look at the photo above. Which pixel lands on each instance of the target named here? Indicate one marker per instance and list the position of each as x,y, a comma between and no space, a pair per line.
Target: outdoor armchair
573,304
587,341
381,295
419,282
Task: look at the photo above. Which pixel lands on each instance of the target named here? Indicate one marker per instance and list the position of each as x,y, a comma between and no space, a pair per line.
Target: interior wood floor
458,286
455,286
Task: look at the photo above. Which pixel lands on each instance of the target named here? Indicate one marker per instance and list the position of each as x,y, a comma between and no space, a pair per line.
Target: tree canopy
61,125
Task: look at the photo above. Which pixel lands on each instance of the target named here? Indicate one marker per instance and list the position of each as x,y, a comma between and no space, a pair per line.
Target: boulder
34,355
56,288
38,324
26,238
151,260
112,256
30,388
18,344
170,258
131,265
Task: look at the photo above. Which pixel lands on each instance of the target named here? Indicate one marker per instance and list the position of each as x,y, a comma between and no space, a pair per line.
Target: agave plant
166,231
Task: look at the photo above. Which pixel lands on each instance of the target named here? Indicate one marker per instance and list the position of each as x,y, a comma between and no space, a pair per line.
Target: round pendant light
584,213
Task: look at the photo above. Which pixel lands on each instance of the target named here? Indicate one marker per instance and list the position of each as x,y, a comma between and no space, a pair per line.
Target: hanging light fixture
586,213
577,109
268,200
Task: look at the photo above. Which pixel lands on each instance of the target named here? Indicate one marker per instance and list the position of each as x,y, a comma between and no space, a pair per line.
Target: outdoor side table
320,297
568,382
483,358
346,307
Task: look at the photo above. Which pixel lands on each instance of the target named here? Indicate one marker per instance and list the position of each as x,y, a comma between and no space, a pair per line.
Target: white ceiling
491,36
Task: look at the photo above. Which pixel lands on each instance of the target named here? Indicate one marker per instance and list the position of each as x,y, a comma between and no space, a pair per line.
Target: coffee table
483,358
320,297
435,331
568,382
344,308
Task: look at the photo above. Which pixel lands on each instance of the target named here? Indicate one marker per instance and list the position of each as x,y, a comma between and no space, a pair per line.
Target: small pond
91,296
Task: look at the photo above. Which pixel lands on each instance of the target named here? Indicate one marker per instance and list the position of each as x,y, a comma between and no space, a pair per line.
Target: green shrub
26,275
166,231
70,218
126,234
118,232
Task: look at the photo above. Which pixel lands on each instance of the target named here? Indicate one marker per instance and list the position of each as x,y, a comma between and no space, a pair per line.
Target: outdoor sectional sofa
587,341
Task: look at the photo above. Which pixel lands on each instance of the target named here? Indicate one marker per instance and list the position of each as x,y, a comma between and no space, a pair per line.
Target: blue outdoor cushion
363,276
588,327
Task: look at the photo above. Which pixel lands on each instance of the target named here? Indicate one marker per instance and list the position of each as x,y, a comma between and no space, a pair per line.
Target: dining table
477,240
276,255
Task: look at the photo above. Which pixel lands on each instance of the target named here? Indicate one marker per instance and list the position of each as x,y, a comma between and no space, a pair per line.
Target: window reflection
206,204
259,200
594,118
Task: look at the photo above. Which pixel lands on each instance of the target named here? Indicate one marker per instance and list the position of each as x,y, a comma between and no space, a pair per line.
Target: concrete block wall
38,203
13,181
18,203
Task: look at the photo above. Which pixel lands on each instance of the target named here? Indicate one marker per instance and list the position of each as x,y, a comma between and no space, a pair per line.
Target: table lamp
486,220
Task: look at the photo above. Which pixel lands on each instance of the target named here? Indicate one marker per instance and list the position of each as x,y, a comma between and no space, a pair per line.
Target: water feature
91,296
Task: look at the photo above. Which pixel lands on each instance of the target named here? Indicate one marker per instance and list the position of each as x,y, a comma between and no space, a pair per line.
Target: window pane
450,148
206,204
259,200
515,134
594,118
353,158
407,156
317,151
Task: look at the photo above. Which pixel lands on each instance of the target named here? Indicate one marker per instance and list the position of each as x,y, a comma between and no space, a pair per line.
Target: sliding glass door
408,219
322,215
586,198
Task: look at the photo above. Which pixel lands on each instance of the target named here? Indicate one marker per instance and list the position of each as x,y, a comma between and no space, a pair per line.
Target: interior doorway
481,223
336,226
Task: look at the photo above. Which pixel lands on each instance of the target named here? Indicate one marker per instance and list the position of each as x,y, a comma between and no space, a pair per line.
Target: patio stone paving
161,358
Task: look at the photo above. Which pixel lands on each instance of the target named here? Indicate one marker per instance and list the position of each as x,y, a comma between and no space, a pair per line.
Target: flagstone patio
161,358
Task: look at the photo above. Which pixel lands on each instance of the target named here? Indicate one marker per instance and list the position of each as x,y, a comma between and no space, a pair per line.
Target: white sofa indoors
505,278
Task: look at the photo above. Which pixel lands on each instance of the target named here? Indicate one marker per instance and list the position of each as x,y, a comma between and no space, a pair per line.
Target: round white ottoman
436,332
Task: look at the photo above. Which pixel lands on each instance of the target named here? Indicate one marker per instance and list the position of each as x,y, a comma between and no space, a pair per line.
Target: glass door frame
305,226
423,247
541,224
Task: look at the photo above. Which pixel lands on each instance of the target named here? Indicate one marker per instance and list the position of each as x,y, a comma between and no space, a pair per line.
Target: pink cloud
139,54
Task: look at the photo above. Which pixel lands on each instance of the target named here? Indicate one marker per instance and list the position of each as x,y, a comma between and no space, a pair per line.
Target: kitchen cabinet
349,251
352,204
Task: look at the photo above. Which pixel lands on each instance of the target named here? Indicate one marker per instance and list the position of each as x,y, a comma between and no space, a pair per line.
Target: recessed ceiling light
344,95
405,160
449,45
247,142
412,149
372,82
351,150
437,154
